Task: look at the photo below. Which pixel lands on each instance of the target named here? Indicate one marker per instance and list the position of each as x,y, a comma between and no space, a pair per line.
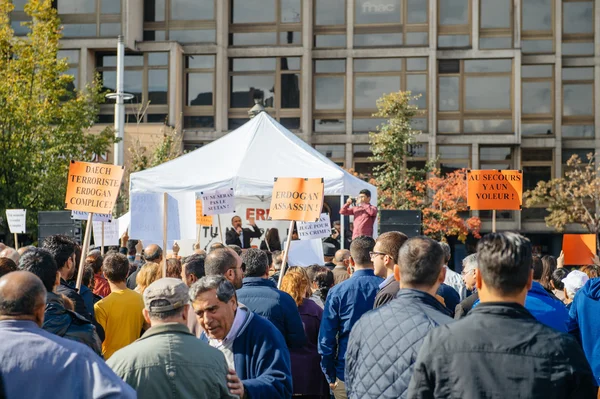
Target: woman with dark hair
549,266
557,285
271,242
309,380
322,281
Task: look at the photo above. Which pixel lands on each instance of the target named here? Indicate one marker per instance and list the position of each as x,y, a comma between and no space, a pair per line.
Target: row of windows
376,22
473,96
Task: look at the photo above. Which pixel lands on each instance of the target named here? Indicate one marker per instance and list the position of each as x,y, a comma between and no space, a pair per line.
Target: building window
274,81
329,96
495,24
265,22
183,21
335,152
454,23
374,77
537,21
582,153
578,102
146,77
475,96
79,18
537,165
498,158
72,58
330,23
537,93
393,23
453,157
199,106
578,27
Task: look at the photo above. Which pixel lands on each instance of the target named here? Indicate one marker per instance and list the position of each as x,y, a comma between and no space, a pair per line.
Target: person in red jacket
364,214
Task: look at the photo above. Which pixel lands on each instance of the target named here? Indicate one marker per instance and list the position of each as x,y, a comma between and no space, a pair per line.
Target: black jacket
69,325
65,289
385,342
386,293
233,238
465,306
500,351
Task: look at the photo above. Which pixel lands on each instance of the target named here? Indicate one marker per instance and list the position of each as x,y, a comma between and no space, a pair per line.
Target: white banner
111,233
98,217
16,219
311,230
218,202
306,253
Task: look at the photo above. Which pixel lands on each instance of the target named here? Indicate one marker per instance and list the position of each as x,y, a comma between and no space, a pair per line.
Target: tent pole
342,233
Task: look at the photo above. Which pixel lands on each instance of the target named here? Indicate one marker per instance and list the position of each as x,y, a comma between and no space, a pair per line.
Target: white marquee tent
248,159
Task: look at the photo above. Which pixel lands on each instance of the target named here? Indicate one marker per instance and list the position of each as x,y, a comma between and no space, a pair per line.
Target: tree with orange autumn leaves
440,198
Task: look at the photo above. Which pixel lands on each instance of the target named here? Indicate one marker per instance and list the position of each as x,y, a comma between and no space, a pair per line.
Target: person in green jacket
168,361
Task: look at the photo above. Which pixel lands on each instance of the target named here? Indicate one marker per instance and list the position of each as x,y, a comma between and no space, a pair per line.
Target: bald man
152,253
58,367
225,262
342,261
10,253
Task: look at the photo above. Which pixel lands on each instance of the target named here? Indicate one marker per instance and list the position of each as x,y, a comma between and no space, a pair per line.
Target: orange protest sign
93,187
297,199
201,219
579,249
500,190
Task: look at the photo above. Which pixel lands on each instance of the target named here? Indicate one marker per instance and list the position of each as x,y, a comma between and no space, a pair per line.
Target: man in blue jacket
260,295
254,349
385,342
345,304
584,311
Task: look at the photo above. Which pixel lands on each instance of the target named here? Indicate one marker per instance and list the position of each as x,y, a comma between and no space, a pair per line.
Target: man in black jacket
63,249
240,236
57,319
385,342
468,274
501,350
384,257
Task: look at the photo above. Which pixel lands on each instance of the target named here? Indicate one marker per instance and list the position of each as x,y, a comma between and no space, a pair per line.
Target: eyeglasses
373,254
464,273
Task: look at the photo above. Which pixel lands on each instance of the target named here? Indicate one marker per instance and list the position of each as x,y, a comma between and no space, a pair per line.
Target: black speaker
407,222
58,222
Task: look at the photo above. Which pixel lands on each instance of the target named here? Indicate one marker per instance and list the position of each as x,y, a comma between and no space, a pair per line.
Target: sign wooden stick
493,221
102,243
84,250
198,231
285,253
220,229
165,221
16,241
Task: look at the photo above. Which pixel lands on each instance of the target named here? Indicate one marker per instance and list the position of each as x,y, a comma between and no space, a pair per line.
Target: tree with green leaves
574,198
44,122
391,144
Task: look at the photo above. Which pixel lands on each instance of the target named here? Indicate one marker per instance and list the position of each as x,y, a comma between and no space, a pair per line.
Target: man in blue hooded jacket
255,351
584,311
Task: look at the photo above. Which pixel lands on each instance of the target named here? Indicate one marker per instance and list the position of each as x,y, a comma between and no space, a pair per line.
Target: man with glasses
469,276
345,304
384,257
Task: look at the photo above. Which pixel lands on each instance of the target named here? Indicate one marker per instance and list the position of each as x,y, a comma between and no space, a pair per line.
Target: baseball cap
172,290
575,280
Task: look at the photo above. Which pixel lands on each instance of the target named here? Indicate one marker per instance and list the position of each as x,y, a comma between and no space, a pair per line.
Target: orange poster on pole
202,219
579,249
297,199
93,187
500,190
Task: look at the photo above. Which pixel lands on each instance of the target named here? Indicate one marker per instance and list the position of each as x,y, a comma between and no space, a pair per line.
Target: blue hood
591,289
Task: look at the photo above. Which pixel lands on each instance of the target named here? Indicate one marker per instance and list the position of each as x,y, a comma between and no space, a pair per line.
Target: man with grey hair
38,364
453,279
225,262
255,350
469,275
152,253
342,261
168,361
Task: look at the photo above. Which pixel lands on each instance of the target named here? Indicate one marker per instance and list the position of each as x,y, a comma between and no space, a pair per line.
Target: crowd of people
387,318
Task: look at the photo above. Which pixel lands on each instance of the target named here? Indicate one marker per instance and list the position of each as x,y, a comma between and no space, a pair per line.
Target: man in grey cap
168,361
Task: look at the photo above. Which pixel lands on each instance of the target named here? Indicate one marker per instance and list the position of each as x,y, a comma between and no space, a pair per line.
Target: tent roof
248,159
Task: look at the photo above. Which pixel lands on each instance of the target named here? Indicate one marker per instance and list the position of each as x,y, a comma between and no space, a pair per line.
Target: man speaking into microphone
240,236
364,214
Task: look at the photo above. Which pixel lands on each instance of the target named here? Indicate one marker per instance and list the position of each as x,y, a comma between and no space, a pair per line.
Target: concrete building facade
503,83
